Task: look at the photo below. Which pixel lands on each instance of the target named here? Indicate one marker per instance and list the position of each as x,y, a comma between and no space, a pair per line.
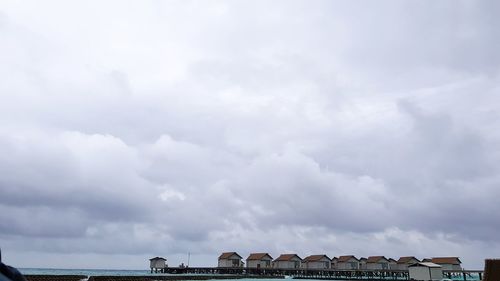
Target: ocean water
87,272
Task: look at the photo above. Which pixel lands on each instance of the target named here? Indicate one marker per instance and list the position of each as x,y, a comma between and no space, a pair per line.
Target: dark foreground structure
492,270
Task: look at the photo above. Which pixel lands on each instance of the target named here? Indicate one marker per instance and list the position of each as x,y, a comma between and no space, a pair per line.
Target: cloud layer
129,130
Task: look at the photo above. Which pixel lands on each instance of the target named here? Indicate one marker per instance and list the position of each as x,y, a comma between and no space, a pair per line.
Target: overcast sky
132,129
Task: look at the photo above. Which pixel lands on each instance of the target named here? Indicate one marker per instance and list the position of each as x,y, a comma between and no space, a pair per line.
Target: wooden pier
326,274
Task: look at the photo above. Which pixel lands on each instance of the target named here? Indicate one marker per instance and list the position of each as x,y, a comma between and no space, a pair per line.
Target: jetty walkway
332,274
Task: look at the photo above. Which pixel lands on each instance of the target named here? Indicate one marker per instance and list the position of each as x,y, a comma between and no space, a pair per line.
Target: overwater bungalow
347,262
425,271
448,263
377,262
230,259
362,263
287,261
157,263
333,264
316,262
393,264
404,262
259,260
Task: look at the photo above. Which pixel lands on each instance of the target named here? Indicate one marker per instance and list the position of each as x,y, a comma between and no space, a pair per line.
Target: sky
134,129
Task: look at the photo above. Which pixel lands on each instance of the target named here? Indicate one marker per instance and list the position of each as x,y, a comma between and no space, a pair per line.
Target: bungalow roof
313,258
287,257
258,256
157,258
375,259
425,264
446,260
227,255
346,258
407,259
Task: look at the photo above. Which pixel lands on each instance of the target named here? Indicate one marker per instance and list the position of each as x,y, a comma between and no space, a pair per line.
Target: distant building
316,262
362,263
448,263
259,260
404,262
347,263
157,263
377,263
230,259
287,261
425,271
333,264
393,264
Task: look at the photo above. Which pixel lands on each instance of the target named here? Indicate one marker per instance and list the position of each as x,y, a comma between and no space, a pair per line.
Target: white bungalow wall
287,264
229,263
404,266
264,263
323,264
157,264
350,264
377,265
422,273
393,265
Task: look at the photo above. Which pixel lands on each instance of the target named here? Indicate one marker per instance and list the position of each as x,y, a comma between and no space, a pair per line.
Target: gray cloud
163,128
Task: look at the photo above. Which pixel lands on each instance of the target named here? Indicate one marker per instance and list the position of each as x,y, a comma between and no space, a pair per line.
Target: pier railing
297,273
336,274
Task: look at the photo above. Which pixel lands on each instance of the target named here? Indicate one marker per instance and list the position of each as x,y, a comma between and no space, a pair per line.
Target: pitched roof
227,255
446,260
315,258
406,259
392,260
426,264
363,259
374,259
258,256
346,258
157,258
287,257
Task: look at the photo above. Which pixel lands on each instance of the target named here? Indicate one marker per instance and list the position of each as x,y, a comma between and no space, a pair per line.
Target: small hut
404,262
448,263
157,263
230,259
425,271
347,262
393,264
377,262
259,260
335,260
316,262
362,263
287,261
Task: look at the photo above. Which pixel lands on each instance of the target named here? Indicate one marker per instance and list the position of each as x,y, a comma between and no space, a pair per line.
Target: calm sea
88,272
